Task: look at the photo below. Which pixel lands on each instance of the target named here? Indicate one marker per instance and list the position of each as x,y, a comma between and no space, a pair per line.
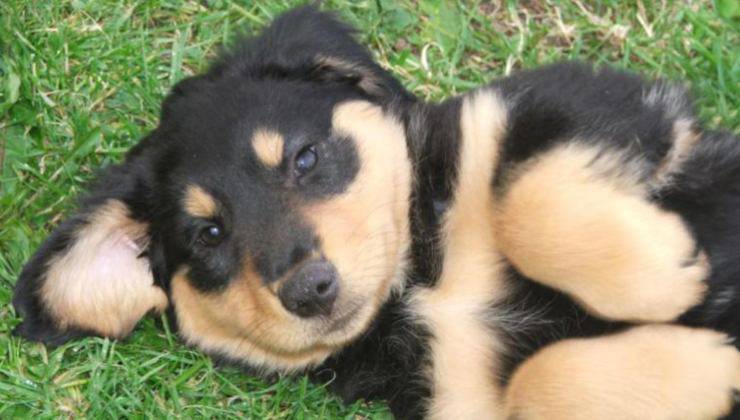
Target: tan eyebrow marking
268,146
199,203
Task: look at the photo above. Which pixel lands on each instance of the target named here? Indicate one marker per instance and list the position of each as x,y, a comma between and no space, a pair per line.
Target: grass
81,81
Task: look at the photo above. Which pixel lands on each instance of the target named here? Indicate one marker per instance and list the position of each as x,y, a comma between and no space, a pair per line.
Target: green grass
81,81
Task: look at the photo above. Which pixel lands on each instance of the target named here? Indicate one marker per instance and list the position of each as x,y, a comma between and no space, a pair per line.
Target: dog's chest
464,349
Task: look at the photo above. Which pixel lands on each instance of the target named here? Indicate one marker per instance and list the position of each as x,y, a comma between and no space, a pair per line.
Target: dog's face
290,219
269,210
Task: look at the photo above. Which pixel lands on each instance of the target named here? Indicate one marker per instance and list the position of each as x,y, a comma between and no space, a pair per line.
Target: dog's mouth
341,321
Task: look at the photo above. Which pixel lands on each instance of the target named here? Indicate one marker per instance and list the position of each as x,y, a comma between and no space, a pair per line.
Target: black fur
572,100
387,363
707,195
433,136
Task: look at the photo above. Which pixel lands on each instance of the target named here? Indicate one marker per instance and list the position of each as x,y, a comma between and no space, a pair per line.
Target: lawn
81,81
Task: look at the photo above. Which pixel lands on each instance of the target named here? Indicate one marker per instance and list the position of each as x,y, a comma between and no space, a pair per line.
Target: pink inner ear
117,252
131,244
101,283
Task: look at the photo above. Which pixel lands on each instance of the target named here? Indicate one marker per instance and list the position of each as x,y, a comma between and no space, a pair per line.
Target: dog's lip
341,322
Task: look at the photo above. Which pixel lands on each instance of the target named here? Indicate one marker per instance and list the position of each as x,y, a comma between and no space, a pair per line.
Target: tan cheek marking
101,284
571,221
199,203
245,323
652,371
364,231
268,146
464,350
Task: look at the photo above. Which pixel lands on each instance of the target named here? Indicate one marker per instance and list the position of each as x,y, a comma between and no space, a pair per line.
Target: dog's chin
347,325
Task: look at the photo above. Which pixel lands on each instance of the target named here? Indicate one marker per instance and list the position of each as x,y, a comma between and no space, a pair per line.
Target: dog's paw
656,277
648,372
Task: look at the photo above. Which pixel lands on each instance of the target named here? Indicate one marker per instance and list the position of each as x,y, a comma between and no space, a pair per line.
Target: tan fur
684,140
368,82
364,232
86,288
245,322
463,348
572,222
268,146
198,203
658,372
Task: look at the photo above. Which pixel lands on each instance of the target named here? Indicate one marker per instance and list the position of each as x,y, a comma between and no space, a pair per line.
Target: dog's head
269,209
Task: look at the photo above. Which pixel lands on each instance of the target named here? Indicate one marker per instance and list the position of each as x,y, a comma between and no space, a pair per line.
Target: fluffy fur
560,205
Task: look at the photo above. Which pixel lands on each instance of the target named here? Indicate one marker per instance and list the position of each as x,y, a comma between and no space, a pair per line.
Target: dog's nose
311,290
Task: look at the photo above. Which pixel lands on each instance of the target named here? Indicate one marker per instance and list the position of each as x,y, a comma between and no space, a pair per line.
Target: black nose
311,290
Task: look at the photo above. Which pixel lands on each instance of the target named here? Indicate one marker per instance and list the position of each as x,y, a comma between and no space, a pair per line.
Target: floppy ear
92,276
307,44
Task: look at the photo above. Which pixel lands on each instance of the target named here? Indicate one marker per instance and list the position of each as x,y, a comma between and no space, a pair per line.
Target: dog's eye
305,160
211,235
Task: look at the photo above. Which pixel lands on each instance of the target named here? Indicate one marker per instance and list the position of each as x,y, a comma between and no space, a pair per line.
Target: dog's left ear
94,274
307,44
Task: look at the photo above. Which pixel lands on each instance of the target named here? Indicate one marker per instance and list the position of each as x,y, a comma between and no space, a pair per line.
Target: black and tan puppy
559,244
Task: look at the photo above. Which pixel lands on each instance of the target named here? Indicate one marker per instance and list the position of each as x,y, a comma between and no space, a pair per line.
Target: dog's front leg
579,219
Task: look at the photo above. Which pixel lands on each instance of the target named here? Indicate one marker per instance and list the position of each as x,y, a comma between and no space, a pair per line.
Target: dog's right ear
92,275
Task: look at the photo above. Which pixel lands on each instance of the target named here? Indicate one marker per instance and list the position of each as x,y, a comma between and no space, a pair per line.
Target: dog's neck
395,341
433,139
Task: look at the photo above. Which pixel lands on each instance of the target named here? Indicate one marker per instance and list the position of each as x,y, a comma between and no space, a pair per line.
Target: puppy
558,244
